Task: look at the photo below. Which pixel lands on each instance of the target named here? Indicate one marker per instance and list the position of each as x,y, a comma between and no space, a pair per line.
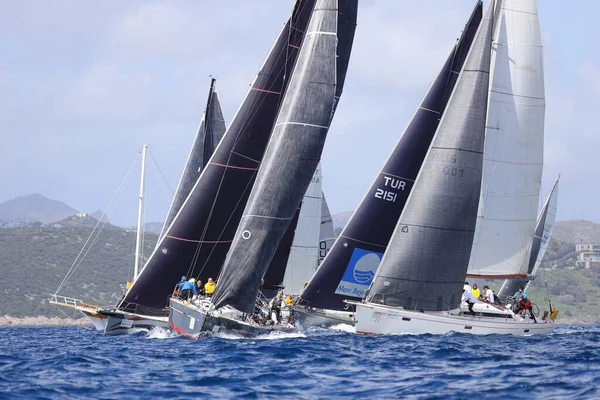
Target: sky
83,84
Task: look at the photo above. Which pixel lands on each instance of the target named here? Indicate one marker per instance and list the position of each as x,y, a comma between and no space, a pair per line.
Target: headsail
198,239
514,146
539,243
327,234
426,260
349,268
304,251
289,163
210,132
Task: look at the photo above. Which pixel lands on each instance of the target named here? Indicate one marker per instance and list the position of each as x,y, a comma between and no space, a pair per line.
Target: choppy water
71,362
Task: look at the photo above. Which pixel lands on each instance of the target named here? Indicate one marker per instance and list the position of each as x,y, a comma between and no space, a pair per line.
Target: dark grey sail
197,241
210,132
543,230
348,270
289,163
426,261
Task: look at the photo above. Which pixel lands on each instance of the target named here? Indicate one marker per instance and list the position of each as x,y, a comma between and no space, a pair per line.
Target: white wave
159,332
343,328
277,335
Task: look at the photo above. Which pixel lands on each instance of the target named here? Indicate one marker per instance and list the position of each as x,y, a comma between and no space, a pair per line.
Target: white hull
119,322
98,320
380,319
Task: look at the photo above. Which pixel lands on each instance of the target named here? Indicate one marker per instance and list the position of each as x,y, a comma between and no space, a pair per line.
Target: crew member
209,288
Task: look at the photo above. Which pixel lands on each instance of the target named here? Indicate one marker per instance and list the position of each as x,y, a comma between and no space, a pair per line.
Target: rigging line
75,264
165,181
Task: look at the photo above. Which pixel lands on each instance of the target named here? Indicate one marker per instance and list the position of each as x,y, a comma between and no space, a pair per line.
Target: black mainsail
289,163
197,241
425,264
211,130
348,269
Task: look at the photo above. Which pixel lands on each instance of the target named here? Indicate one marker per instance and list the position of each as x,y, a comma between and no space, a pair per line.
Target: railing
65,301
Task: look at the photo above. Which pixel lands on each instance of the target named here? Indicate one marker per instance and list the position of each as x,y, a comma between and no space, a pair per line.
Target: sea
70,362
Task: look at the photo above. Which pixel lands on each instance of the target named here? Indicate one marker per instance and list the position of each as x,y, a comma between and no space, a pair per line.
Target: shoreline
7,320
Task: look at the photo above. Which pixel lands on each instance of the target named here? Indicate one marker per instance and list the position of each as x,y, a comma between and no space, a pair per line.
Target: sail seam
303,124
519,11
233,166
362,241
430,110
397,176
246,157
264,216
518,95
510,162
198,241
458,149
265,90
439,228
321,33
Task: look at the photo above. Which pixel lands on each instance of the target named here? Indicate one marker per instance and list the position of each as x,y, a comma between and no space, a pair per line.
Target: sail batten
427,257
348,267
289,163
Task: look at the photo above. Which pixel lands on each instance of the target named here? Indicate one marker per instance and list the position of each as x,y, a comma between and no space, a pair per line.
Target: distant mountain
578,231
33,208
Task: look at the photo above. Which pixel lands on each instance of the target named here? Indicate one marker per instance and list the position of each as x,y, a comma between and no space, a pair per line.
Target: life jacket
289,301
209,288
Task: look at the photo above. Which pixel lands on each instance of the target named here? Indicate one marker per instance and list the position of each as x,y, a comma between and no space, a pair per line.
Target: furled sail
304,251
539,243
289,163
514,146
426,261
210,132
348,269
198,239
327,234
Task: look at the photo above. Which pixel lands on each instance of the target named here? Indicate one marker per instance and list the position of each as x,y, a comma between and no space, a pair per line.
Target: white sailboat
417,288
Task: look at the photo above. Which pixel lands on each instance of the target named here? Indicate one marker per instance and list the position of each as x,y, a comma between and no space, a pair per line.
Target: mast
347,270
210,131
289,163
426,261
514,146
140,218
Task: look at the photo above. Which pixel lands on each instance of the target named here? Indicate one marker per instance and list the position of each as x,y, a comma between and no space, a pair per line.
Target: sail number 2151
385,195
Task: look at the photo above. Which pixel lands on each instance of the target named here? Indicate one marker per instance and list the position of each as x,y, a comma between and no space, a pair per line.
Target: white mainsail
514,142
303,258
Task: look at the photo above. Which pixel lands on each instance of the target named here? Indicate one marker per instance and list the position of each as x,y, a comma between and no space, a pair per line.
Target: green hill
34,262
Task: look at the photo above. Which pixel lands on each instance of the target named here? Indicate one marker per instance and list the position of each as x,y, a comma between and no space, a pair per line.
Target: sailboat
289,163
94,313
210,131
417,288
539,244
347,271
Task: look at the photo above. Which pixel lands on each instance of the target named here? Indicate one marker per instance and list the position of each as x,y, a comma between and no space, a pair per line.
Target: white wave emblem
365,267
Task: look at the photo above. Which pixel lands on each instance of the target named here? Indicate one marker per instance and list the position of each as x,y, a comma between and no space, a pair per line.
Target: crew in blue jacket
188,288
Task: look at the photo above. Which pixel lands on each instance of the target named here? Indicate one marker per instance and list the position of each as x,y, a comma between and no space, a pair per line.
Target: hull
193,321
98,320
119,322
380,319
322,318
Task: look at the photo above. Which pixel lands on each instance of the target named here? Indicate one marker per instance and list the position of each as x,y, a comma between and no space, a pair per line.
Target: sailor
275,305
475,291
467,297
525,304
288,300
519,294
179,285
188,288
489,294
200,287
209,288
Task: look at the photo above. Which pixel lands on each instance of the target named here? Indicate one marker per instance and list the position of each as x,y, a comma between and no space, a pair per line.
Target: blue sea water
72,362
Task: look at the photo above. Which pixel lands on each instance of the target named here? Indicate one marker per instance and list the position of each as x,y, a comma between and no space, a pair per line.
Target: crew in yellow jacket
475,291
209,288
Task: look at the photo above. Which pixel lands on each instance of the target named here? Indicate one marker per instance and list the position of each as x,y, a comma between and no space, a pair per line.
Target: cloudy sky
83,84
